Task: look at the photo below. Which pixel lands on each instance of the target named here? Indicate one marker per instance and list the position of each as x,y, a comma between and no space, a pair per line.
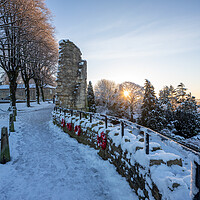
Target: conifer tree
180,111
164,95
172,98
181,92
151,110
91,98
160,117
167,98
187,123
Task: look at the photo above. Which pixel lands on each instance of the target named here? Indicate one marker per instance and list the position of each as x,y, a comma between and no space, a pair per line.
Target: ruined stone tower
71,77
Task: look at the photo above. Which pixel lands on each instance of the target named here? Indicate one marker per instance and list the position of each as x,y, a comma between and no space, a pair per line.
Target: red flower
102,141
79,130
69,126
63,123
76,128
103,145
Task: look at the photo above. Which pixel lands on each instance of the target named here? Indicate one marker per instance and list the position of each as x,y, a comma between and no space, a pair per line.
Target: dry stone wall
71,77
127,154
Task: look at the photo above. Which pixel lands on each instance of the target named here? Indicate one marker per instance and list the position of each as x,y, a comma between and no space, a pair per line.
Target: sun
126,93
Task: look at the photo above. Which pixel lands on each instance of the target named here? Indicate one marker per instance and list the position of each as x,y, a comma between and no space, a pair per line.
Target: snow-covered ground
47,164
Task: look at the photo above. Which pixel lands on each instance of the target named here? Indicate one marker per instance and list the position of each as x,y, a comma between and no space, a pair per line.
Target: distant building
49,92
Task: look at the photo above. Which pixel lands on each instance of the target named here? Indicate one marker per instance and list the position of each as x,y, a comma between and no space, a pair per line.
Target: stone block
175,162
138,148
154,146
156,162
141,139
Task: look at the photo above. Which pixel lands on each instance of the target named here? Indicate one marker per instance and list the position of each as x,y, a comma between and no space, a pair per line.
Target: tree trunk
132,120
42,93
131,113
13,88
27,92
26,78
37,93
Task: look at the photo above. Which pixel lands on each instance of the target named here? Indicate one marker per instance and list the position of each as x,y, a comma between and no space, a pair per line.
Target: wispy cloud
153,39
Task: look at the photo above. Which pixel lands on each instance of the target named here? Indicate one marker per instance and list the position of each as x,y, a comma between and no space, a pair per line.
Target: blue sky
134,40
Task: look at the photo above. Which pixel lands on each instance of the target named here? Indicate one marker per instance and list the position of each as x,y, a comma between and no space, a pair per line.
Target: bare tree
45,66
26,35
132,95
10,32
104,92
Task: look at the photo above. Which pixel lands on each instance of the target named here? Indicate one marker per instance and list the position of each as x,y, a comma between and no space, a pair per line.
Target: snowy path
48,164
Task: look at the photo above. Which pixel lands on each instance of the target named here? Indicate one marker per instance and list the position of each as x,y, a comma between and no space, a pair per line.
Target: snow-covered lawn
48,164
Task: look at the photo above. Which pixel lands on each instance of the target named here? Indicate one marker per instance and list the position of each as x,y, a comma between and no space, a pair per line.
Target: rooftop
6,87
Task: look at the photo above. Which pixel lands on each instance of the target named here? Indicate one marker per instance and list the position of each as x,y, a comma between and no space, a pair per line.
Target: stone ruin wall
71,77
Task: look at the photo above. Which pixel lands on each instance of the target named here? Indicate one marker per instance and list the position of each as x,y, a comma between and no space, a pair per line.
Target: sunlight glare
126,93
